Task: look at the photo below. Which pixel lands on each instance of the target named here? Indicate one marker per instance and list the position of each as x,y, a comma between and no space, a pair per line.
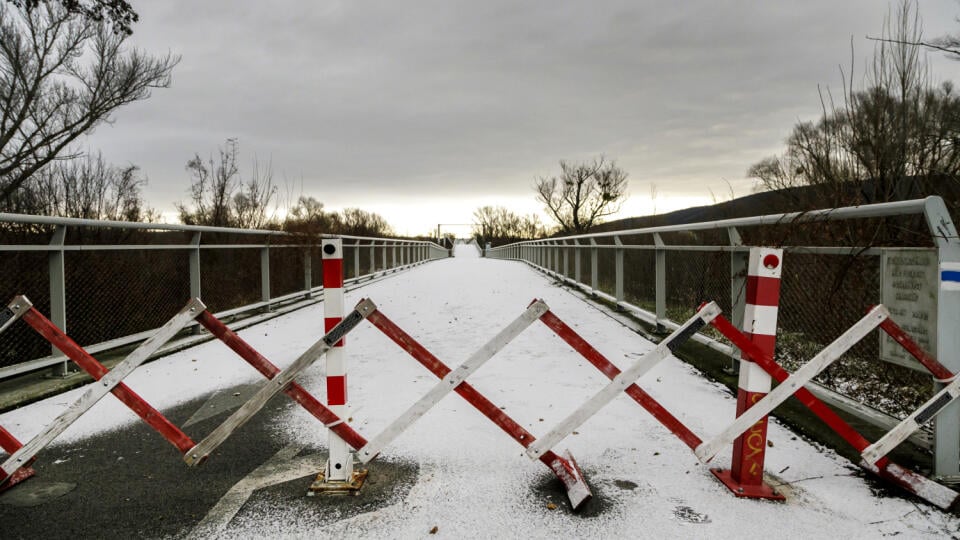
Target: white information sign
908,285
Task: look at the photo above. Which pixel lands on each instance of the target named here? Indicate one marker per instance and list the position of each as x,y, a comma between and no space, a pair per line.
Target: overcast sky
423,111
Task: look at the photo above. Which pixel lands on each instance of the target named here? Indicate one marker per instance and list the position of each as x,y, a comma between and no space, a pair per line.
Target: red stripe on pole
336,389
74,352
644,399
763,291
328,324
332,273
269,370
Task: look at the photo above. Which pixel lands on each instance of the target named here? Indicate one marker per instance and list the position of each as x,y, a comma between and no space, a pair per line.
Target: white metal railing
371,258
552,256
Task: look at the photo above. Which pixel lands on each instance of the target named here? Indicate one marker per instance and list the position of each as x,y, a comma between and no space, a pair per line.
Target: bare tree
583,194
496,223
62,75
118,13
88,188
895,138
363,223
220,197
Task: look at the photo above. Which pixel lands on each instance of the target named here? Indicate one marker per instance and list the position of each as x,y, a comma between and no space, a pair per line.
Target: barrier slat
937,369
197,454
623,380
10,444
937,494
706,451
74,352
908,425
565,468
105,385
611,371
269,370
451,380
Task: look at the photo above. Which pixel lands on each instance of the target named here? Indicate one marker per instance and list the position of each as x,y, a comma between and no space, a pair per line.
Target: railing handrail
913,206
80,222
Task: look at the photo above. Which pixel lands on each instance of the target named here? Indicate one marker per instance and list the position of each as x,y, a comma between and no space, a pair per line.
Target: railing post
576,261
618,287
394,254
265,275
556,257
594,271
661,281
946,442
356,259
195,265
386,261
373,257
566,259
58,292
738,286
307,273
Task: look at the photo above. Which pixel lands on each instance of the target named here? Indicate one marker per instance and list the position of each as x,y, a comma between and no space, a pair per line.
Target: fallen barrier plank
565,468
98,371
452,379
201,451
611,371
107,383
925,488
296,392
622,381
706,451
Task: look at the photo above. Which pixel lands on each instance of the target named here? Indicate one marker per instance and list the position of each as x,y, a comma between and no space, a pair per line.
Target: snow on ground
474,481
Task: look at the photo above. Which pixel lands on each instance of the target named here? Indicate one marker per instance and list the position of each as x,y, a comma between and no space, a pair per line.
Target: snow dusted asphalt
473,480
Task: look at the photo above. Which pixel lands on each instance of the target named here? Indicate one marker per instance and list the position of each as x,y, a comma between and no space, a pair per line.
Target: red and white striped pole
745,477
340,461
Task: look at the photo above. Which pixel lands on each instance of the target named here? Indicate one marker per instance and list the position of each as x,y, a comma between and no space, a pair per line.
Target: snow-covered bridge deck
455,471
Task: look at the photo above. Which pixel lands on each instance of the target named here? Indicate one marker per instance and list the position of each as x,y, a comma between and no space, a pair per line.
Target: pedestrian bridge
449,470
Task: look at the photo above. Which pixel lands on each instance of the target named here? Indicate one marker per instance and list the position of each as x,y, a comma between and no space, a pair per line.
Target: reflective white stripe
333,303
756,268
753,378
950,267
336,362
760,320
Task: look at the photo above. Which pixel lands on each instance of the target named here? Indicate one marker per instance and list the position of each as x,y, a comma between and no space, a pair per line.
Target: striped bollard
745,477
338,477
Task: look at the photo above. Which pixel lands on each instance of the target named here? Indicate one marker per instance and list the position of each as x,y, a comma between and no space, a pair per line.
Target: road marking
276,470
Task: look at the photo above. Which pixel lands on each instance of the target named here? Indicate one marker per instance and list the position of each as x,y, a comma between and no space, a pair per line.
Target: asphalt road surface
130,483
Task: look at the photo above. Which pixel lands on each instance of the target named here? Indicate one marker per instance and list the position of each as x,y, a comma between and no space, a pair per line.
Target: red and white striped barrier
622,381
745,476
564,467
109,382
278,383
927,489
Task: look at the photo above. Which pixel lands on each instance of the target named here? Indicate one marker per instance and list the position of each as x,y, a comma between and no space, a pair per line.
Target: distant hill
788,200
